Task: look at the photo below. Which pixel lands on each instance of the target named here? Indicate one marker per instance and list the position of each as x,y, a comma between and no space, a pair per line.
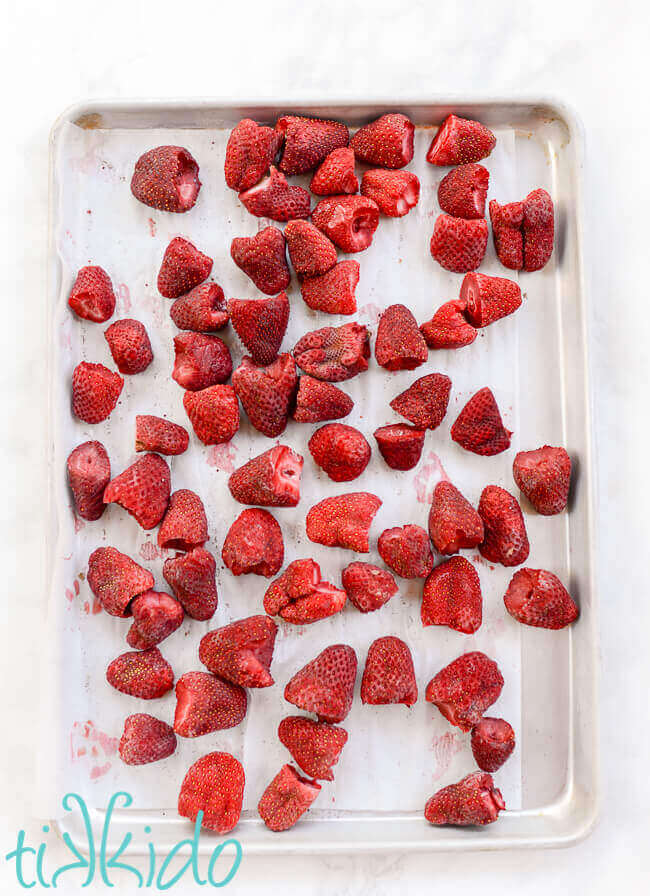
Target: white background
593,55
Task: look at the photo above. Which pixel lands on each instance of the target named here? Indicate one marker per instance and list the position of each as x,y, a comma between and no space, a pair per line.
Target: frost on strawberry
395,192
334,291
274,198
459,245
145,739
462,192
524,231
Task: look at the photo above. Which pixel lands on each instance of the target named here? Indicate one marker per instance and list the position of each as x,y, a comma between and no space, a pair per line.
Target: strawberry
399,344
488,298
95,391
92,297
333,292
343,521
465,688
200,361
462,192
159,435
146,739
267,392
406,550
254,544
492,741
317,401
544,476
183,267
89,472
115,580
261,325
537,597
129,345
300,596
460,141
213,413
341,451
310,251
156,616
184,525
250,152
386,142
263,258
368,586
214,785
479,428
205,703
425,402
203,309
286,798
271,479
325,686
457,244
395,192
315,746
334,353
507,232
241,652
166,178
453,522
452,597
273,198
389,676
143,673
449,328
307,141
335,174
400,445
523,231
349,221
191,578
474,800
142,490
505,540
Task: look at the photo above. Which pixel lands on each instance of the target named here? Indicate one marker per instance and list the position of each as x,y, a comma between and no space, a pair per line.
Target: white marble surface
591,54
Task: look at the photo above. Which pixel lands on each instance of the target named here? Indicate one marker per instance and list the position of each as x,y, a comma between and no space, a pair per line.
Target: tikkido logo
96,863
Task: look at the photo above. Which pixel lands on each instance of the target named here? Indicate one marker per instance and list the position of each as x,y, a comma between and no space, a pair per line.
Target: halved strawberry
301,597
271,479
191,577
334,353
266,393
241,652
492,741
395,192
452,597
260,325
523,231
89,472
202,310
145,739
200,361
142,490
334,291
213,413
460,141
307,141
425,402
386,142
457,244
474,800
254,544
544,476
341,451
115,579
250,152
286,798
453,522
143,673
368,586
507,232
159,435
349,221
399,344
214,785
406,550
505,540
184,525
317,401
400,445
465,688
263,258
343,521
488,298
325,686
479,428
537,597
95,391
183,267
92,297
335,174
389,676
315,746
156,616
462,192
166,178
449,327
273,198
206,703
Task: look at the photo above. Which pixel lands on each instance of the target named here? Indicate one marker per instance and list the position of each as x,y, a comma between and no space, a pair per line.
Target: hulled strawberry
334,291
457,244
465,688
334,353
341,451
301,597
214,785
191,577
129,345
537,597
315,746
544,476
95,391
452,597
267,393
462,192
406,550
183,267
184,525
425,402
317,401
92,297
213,413
505,539
389,676
349,221
395,192
449,327
156,616
202,310
453,522
241,652
307,141
286,798
343,521
325,686
368,586
263,258
89,472
271,479
399,344
386,142
335,174
479,428
488,298
260,325
142,490
116,579
206,703
254,544
200,361
273,198
160,435
474,800
492,741
145,739
460,141
166,178
250,152
310,251
144,673
400,445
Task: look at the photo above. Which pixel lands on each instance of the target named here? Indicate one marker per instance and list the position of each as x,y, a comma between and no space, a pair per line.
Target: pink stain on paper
445,748
149,551
93,747
152,226
431,472
222,457
123,298
370,312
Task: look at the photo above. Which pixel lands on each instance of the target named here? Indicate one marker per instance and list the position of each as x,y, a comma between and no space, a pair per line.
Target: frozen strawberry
368,586
184,525
315,746
399,344
213,413
286,798
325,686
205,703
544,476
386,142
250,152
334,353
406,550
166,178
389,676
300,596
453,522
115,580
488,298
492,741
523,231
183,267
191,577
465,688
263,258
159,435
129,344
462,192
343,521
271,479
449,328
260,325
156,616
317,401
333,292
142,490
307,141
395,192
92,297
400,445
460,141
452,597
335,174
349,221
254,544
202,310
200,361
479,428
507,232
341,451
505,540
425,402
143,673
474,800
310,251
267,393
89,472
241,652
537,597
95,390
273,198
457,244
145,739
213,785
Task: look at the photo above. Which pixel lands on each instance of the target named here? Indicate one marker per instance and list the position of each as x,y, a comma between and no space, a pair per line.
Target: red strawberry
191,578
254,544
129,344
273,198
213,413
399,344
315,746
539,229
213,785
465,688
159,435
452,597
317,401
507,223
349,221
241,652
251,150
142,490
343,521
143,673
406,550
146,739
341,451
325,686
307,141
479,428
200,361
544,476
400,445
389,676
115,580
310,251
460,141
395,192
271,479
368,586
462,192
166,178
537,597
263,258
185,525
156,616
300,596
453,522
474,800
488,298
505,541
205,703
333,292
202,310
267,393
95,390
425,402
89,472
387,141
449,328
457,244
493,740
261,325
334,353
286,798
183,267
335,174
92,297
